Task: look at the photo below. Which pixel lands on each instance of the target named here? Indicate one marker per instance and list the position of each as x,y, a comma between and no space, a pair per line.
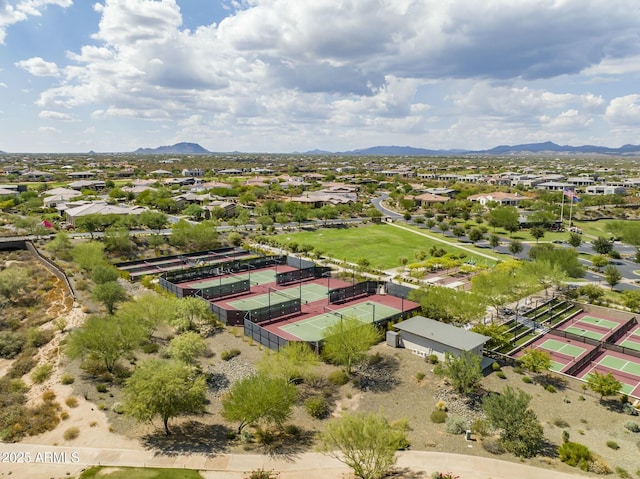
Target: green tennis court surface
627,388
605,323
585,333
556,366
310,292
636,332
312,329
621,365
630,344
564,348
258,277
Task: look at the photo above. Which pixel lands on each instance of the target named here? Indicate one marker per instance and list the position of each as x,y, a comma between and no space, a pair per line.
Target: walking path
56,461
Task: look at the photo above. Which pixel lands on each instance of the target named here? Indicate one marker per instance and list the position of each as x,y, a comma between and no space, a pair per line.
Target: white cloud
39,67
20,11
624,111
3,85
49,130
55,115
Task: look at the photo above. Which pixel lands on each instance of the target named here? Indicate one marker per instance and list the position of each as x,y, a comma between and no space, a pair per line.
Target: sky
279,76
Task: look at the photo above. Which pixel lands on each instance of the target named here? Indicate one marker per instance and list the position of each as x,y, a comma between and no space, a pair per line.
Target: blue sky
295,75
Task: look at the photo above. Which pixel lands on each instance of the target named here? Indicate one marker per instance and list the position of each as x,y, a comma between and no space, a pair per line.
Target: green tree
464,371
521,432
575,240
109,294
150,310
104,273
191,312
164,388
60,246
14,282
504,217
497,332
631,300
365,442
494,241
117,239
88,255
259,399
292,363
153,220
602,245
194,211
90,223
599,261
603,384
546,273
566,258
187,347
515,247
347,341
104,339
612,275
538,232
449,305
475,235
536,360
592,291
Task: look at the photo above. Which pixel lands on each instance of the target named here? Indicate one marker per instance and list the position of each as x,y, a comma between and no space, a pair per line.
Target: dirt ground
390,387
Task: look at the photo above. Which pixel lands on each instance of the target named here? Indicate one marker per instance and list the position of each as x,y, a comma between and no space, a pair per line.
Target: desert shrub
492,445
456,425
228,355
527,379
150,348
67,378
438,416
317,407
72,401
575,454
71,433
629,409
501,375
64,415
118,408
565,436
338,377
49,395
559,422
433,358
37,337
518,370
41,373
264,436
420,376
622,472
632,426
495,366
613,445
262,474
441,406
374,359
11,343
444,475
101,388
481,427
551,388
21,366
598,465
292,430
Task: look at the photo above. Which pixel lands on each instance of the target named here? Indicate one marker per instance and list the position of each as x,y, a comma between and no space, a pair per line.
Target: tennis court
562,348
312,329
310,292
631,344
586,333
625,370
256,278
603,323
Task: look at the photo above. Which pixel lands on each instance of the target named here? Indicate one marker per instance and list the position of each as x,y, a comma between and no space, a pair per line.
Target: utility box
393,339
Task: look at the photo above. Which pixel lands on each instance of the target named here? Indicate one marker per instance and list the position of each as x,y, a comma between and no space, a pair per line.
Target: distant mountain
177,149
547,147
550,147
401,151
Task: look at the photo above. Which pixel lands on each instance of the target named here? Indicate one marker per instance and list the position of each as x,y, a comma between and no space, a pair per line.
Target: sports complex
582,339
276,298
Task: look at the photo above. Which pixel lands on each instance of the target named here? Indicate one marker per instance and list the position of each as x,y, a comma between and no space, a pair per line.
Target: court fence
221,269
341,295
264,337
583,361
300,274
398,290
222,290
626,327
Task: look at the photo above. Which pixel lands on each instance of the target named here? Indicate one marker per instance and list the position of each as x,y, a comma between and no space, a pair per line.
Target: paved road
55,461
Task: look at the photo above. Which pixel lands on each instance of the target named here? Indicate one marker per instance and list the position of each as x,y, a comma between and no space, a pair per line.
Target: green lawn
382,244
139,473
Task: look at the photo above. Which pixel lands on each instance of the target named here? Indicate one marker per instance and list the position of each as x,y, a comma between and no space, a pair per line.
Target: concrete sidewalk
54,461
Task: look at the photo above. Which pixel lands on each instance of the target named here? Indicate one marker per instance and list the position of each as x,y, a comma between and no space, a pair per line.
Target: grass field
382,244
139,473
